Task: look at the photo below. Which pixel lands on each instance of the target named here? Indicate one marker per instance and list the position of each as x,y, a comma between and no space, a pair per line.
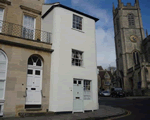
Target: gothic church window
136,58
131,20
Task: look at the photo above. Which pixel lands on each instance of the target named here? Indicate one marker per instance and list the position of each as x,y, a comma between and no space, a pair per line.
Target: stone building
104,79
32,77
25,58
132,62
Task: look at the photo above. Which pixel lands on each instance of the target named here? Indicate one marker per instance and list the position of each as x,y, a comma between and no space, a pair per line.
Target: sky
102,9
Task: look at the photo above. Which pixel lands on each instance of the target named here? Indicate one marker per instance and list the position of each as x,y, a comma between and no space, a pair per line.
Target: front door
34,84
78,96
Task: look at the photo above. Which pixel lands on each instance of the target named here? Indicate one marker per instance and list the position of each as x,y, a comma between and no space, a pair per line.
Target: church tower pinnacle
119,3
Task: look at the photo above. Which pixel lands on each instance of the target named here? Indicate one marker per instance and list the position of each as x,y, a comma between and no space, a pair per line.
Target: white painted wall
64,39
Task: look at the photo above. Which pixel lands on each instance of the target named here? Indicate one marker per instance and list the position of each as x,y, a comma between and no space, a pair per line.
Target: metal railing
16,30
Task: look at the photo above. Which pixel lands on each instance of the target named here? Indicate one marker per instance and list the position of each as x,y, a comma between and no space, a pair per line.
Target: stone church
131,48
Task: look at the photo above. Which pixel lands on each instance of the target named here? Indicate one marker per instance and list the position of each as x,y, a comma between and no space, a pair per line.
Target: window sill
78,30
77,66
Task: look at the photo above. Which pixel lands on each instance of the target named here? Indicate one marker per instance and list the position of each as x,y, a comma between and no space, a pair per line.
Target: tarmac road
139,108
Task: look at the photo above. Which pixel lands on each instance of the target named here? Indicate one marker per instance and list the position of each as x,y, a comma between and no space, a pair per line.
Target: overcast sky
102,9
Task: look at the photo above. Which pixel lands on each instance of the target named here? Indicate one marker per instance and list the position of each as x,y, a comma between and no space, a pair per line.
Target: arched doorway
34,82
3,75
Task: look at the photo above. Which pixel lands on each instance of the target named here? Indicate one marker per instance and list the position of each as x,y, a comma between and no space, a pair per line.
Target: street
139,108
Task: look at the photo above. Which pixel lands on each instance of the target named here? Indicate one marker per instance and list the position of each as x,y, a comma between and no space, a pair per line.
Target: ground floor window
1,109
87,89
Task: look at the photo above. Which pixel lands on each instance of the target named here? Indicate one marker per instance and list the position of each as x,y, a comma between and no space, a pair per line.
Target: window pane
79,82
34,58
37,72
30,61
39,63
30,71
75,82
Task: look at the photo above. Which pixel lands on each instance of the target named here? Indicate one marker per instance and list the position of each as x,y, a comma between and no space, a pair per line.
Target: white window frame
4,80
29,28
2,108
75,21
87,93
81,65
2,19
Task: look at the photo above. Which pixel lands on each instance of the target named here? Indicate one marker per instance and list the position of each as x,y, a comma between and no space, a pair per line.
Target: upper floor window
77,22
77,58
118,25
1,18
136,58
131,20
28,27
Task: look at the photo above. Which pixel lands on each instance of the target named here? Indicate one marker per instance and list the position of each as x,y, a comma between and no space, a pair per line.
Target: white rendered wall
64,39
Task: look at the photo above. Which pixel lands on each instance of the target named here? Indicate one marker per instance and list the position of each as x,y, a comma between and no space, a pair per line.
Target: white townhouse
73,76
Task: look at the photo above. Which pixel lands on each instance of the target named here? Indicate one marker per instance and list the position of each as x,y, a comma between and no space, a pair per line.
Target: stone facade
18,50
104,79
129,35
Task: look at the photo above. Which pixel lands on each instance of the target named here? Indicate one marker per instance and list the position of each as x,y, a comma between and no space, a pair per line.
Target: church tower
128,35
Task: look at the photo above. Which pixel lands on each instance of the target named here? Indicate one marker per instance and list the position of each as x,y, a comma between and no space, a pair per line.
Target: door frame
34,68
82,96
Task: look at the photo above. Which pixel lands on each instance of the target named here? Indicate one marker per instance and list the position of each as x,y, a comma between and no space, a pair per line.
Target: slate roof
102,74
68,8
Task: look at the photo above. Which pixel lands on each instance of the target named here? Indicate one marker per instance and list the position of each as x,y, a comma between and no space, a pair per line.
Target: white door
78,96
34,82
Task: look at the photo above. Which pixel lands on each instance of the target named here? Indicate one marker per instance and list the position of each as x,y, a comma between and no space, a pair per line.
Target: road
139,108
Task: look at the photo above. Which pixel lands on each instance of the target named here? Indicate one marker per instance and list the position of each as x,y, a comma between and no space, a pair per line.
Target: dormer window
131,20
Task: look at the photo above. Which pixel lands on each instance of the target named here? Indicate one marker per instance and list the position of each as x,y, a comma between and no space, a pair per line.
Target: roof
65,7
102,74
100,67
147,39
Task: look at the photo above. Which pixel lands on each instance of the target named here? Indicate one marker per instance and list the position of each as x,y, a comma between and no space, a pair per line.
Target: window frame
81,64
29,28
2,19
4,80
87,92
77,22
136,58
131,20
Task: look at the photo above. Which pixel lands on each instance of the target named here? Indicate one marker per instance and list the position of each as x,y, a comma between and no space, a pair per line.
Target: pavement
104,112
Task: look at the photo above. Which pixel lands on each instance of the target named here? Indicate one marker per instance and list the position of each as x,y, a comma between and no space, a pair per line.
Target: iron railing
16,30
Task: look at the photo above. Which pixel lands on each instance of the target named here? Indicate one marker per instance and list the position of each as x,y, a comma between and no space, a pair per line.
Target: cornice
5,2
30,9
